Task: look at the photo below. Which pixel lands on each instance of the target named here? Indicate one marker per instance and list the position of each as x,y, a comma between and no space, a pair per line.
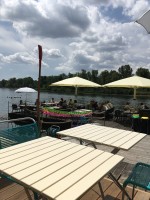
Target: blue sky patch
116,14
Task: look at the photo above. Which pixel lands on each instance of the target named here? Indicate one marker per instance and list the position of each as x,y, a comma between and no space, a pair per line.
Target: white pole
134,97
76,90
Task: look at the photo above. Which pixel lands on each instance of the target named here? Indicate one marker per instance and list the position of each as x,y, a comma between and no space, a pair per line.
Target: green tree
104,77
89,75
19,82
28,82
83,74
94,77
12,83
125,71
143,72
3,83
70,75
62,76
114,76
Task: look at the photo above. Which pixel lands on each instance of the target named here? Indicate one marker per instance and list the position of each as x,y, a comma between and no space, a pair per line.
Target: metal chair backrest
52,131
140,176
18,134
83,120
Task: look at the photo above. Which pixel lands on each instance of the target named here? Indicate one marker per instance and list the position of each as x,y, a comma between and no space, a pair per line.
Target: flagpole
39,82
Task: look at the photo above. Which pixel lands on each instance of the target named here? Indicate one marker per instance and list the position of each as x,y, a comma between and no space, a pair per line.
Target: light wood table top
117,138
56,168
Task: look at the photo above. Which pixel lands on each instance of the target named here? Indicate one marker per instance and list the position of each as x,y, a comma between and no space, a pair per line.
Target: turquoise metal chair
139,177
52,131
19,133
83,120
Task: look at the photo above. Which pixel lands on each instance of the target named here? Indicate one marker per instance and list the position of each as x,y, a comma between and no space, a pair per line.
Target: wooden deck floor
13,191
139,153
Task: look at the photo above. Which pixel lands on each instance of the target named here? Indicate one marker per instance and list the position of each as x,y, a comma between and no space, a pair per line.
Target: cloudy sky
74,34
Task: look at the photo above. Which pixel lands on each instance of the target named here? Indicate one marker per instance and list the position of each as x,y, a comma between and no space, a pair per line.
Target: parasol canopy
25,90
76,82
145,21
131,82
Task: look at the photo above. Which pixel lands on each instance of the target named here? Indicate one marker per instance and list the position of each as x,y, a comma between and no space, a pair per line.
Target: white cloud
57,20
74,35
140,7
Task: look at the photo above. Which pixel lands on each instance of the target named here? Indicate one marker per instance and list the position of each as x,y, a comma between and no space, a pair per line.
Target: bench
18,133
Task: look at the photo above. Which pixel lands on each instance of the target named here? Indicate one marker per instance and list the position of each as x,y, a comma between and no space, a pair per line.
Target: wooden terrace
139,153
13,191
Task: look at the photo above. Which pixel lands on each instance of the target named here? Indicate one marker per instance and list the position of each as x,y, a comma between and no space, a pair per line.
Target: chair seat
140,176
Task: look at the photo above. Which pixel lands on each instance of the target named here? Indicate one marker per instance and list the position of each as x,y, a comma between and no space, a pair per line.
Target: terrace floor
139,153
13,191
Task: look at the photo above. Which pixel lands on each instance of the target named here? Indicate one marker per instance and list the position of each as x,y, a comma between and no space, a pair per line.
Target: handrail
19,119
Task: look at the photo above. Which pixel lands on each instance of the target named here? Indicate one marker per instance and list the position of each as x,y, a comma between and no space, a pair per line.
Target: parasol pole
76,90
39,81
134,96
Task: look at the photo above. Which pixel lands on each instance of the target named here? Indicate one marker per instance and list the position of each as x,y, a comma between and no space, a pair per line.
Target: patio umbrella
25,90
145,21
76,82
131,82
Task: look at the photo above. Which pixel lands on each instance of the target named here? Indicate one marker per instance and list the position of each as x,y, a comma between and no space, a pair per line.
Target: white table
55,168
95,134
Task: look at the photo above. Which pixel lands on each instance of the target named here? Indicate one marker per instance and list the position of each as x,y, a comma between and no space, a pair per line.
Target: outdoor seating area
45,151
75,100
139,121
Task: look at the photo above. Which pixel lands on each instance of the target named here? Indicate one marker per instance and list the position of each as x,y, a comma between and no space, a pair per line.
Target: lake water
8,96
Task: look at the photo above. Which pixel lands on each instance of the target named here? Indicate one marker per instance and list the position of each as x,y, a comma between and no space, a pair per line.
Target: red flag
40,52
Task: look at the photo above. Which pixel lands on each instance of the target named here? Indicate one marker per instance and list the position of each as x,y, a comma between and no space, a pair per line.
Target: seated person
142,106
21,102
36,102
71,103
64,104
75,105
95,105
109,105
105,107
92,105
52,100
61,102
128,107
102,107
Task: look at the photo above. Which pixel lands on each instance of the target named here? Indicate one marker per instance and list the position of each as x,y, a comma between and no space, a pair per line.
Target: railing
18,134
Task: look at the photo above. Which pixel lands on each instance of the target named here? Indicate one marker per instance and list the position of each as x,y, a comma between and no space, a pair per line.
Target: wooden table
95,134
55,168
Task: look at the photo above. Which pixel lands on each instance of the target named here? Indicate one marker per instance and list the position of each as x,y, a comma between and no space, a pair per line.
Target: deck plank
13,191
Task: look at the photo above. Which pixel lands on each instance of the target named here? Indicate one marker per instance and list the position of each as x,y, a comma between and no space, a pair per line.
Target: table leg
115,150
28,194
90,143
101,190
81,142
133,190
120,186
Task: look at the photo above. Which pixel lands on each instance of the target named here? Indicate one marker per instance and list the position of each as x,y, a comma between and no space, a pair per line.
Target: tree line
101,78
